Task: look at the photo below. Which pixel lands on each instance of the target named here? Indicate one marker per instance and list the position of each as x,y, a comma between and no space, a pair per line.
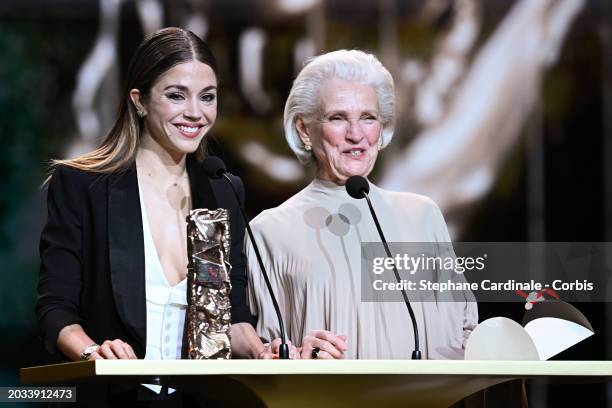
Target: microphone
215,169
358,187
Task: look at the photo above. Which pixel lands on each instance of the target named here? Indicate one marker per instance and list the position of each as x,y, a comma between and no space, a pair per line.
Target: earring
307,145
141,113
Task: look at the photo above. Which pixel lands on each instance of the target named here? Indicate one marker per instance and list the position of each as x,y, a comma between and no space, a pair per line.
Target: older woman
338,116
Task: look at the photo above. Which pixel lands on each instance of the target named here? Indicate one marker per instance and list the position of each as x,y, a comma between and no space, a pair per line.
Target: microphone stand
283,352
416,353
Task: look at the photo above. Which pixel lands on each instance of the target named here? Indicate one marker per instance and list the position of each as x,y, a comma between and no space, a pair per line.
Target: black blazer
92,254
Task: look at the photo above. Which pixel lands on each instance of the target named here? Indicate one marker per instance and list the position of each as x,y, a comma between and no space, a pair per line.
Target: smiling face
345,137
180,108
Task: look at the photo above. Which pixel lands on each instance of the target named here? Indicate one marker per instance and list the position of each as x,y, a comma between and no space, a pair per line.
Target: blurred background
504,118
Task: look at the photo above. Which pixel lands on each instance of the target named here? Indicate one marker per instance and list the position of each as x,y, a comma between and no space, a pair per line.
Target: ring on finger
315,353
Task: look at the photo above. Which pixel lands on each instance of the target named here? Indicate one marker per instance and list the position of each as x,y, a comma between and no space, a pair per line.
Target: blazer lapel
202,195
126,252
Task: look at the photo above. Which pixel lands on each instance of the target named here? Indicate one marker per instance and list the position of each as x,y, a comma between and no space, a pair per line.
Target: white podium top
62,372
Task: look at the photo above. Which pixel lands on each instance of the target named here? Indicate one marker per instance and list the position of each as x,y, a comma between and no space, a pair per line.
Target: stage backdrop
504,117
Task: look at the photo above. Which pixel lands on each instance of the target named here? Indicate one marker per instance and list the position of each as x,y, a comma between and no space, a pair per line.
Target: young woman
113,251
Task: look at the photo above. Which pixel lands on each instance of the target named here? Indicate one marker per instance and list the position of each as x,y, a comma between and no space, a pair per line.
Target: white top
311,247
166,305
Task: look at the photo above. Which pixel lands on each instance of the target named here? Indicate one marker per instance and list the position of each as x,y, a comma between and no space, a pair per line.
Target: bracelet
89,351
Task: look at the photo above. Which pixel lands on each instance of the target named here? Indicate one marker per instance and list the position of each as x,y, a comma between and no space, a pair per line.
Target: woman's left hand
323,344
271,350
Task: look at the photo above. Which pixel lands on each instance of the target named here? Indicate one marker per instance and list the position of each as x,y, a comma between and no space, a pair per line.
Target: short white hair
350,65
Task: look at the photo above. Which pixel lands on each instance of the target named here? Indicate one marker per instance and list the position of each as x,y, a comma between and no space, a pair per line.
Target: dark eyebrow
184,88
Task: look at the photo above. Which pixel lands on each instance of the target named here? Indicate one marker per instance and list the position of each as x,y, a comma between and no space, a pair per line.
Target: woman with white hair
338,116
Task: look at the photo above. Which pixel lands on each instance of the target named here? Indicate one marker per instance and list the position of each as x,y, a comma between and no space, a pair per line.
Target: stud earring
307,145
141,113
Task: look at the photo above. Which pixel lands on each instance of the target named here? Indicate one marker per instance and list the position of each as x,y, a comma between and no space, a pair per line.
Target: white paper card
500,338
552,335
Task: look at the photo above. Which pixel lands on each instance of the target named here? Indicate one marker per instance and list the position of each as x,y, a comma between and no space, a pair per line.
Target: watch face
88,351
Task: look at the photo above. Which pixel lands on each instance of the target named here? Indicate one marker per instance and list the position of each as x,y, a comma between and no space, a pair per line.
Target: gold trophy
208,285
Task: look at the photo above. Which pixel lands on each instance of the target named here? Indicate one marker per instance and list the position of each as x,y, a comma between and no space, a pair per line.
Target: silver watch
89,351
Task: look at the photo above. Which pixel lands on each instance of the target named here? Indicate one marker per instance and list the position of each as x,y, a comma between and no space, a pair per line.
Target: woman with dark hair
113,251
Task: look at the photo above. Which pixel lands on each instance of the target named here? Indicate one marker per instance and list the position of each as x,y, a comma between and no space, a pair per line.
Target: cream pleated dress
311,248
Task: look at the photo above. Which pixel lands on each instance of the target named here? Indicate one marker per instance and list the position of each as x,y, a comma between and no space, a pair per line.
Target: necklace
174,183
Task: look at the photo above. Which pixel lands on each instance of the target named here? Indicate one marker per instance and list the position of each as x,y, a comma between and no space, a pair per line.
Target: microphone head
214,167
356,186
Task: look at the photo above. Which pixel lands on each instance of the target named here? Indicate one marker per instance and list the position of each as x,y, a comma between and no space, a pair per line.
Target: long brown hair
156,54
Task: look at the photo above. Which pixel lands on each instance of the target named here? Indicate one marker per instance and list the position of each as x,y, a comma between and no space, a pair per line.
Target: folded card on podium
548,329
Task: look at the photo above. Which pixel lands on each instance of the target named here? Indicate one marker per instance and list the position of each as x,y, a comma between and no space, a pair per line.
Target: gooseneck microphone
215,169
358,187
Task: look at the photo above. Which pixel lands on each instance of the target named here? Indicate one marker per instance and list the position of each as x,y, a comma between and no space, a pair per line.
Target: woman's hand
72,341
329,345
271,350
114,350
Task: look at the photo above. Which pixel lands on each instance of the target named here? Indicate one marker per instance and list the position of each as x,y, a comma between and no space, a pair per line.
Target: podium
321,383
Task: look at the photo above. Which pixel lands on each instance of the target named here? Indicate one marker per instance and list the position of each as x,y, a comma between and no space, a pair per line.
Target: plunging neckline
150,243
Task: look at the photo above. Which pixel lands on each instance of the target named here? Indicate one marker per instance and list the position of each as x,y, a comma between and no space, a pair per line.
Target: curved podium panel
307,383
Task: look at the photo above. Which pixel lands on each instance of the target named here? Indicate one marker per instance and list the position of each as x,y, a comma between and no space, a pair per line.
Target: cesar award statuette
208,285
